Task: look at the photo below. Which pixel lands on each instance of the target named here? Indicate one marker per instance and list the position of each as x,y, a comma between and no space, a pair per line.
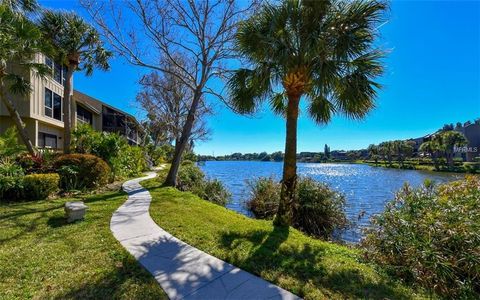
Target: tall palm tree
431,147
449,141
373,152
20,40
79,48
320,50
21,6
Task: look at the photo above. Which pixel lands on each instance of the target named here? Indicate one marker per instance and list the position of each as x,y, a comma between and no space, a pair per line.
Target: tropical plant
9,146
192,179
430,236
373,152
387,150
432,148
320,50
318,210
403,150
78,47
21,6
449,141
20,41
85,170
124,160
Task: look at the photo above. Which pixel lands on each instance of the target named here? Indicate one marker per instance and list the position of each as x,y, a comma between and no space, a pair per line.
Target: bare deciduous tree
151,32
167,101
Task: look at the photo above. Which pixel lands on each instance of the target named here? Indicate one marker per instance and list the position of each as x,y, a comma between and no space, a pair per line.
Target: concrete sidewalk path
183,271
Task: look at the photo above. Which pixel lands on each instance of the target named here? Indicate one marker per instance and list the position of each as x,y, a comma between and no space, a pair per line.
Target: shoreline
382,164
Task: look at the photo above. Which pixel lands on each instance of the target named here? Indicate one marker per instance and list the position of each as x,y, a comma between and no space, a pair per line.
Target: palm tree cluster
441,147
63,36
20,40
320,51
390,150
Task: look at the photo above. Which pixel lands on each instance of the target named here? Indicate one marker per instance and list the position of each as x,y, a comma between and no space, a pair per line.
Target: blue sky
432,77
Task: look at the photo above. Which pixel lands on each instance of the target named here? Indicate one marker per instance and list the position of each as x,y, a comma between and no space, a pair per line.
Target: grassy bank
43,257
305,266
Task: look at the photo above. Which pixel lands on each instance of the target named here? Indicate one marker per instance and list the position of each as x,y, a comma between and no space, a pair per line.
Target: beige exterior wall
32,107
30,125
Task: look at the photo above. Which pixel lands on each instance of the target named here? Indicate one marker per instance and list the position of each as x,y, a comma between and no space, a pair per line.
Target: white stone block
75,211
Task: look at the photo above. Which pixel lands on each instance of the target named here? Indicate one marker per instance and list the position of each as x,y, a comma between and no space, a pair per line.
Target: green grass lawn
308,267
43,257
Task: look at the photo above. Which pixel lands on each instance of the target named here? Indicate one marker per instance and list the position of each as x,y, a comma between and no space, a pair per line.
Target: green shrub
264,197
130,162
472,167
11,188
40,186
69,177
191,178
319,211
11,181
124,160
214,191
90,171
431,236
10,148
39,163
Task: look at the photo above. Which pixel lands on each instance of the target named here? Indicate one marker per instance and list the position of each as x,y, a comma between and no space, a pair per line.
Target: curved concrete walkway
183,271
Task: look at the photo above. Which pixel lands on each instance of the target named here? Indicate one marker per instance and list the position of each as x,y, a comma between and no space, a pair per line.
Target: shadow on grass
126,279
57,221
271,256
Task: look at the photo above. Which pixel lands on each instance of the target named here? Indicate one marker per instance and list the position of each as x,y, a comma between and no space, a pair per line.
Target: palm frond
248,88
17,84
320,109
278,102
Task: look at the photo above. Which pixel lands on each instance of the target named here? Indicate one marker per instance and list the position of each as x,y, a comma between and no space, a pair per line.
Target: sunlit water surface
366,188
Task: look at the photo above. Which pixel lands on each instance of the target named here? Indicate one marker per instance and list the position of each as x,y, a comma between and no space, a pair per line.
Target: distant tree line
315,157
439,147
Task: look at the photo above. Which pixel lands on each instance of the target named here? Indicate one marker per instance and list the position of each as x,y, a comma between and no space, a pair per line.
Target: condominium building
42,110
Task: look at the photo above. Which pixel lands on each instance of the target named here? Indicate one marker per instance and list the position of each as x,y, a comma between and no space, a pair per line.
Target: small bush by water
318,211
431,236
192,179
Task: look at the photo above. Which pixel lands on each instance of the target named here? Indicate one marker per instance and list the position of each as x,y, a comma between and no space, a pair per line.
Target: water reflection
366,188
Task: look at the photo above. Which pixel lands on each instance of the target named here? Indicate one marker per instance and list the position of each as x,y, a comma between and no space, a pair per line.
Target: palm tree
388,150
20,41
431,147
320,50
373,151
21,6
79,48
450,140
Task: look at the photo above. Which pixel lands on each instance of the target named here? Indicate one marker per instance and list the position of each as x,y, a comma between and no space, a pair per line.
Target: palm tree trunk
67,109
284,215
181,144
17,120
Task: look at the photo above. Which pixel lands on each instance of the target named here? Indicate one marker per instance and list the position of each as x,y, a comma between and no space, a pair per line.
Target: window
48,102
46,140
53,105
57,107
59,71
83,115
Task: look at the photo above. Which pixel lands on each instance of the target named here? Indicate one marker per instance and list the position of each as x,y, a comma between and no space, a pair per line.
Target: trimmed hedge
40,186
11,188
83,171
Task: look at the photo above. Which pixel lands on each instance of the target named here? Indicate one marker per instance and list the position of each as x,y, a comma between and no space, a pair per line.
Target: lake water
366,188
